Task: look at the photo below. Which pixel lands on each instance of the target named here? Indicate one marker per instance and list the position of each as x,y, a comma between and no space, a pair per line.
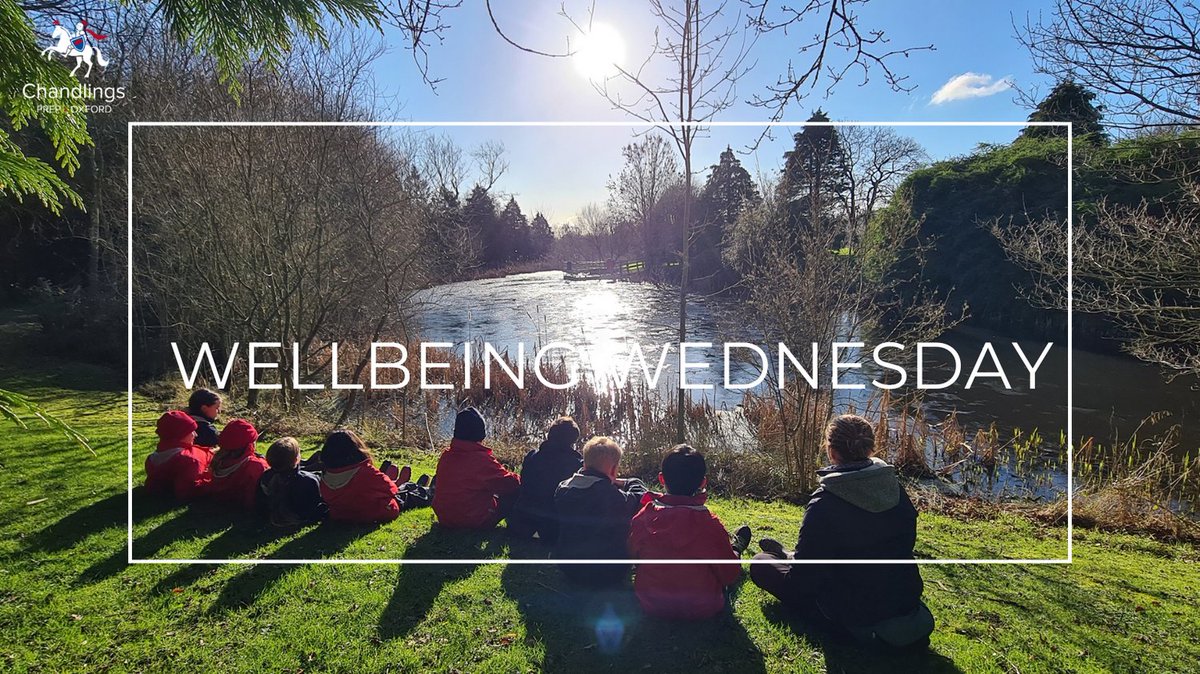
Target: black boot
740,539
772,547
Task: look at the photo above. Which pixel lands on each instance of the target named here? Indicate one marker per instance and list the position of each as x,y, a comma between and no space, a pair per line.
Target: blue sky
559,170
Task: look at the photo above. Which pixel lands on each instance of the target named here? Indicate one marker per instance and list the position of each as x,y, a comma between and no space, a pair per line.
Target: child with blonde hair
594,509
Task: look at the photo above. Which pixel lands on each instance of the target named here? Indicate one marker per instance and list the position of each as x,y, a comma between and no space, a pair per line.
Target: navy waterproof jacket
291,498
541,472
206,429
594,516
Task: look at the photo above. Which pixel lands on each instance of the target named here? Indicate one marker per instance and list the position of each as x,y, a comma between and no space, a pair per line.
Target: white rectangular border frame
644,125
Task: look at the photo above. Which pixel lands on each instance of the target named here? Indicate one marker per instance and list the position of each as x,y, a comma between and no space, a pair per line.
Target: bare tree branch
1142,56
839,29
1138,265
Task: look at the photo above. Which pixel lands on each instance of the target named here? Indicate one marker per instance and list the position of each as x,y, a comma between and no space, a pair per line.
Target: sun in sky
601,51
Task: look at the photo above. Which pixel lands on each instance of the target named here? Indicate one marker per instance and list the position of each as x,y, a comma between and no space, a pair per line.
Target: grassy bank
69,602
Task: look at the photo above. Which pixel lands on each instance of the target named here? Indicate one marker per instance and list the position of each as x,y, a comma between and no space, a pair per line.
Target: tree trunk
92,281
688,48
683,282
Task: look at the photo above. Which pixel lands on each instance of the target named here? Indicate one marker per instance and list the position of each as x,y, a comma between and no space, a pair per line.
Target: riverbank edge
52,378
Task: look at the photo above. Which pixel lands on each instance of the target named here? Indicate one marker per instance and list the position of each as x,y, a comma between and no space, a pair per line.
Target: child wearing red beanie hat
236,468
178,468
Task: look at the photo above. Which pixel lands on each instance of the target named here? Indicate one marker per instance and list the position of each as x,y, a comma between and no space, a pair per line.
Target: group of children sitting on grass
575,503
339,482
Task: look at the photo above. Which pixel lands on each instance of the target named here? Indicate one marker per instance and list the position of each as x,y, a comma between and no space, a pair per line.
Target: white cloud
970,85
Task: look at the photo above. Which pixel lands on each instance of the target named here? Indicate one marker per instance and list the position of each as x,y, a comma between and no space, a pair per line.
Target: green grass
69,601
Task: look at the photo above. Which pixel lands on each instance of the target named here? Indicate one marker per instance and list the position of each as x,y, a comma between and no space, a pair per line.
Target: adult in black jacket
860,511
594,510
541,472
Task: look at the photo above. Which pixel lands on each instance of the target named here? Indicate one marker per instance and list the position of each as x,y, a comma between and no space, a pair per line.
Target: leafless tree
290,234
442,163
706,51
490,161
705,56
1139,265
837,46
596,223
650,169
1142,56
879,160
422,22
800,292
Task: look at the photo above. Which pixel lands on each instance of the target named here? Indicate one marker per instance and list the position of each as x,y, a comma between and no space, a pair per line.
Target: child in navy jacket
542,471
204,406
594,508
290,497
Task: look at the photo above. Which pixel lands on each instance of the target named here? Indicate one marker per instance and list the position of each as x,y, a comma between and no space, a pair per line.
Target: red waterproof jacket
470,482
181,472
359,493
236,482
680,527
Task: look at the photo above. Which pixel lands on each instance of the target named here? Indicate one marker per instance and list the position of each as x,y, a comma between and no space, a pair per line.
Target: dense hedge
1010,185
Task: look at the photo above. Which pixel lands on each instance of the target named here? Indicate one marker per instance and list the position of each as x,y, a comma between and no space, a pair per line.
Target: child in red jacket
473,490
236,468
178,468
354,489
677,525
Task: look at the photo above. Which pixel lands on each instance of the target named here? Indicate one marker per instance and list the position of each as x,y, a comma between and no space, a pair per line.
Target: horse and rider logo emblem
78,45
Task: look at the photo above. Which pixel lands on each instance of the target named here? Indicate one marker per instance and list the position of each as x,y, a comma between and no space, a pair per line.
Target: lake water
1111,393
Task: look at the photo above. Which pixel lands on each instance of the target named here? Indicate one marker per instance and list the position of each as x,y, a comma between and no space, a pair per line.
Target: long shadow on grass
318,542
586,629
77,525
244,534
1048,591
196,521
418,585
843,654
199,520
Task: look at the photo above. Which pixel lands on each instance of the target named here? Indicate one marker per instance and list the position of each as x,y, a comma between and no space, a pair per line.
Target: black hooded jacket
291,498
861,511
541,472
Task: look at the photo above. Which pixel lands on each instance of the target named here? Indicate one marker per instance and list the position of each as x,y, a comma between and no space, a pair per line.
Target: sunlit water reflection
605,317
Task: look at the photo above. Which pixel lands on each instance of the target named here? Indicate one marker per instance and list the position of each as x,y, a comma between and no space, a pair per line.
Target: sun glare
600,52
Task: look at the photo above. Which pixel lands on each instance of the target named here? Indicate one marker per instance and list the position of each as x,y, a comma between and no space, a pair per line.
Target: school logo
82,45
